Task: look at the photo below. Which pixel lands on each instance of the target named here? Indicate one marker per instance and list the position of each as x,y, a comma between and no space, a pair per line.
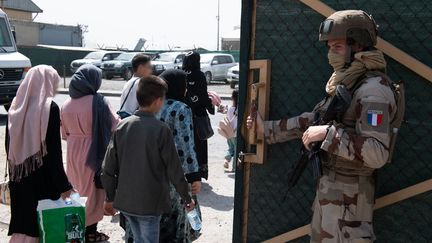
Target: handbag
4,188
203,127
123,114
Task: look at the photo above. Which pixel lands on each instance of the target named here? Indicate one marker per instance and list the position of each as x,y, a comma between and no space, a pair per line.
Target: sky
111,23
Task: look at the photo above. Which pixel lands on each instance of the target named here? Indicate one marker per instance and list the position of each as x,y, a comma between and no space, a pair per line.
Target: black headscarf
191,62
176,80
87,81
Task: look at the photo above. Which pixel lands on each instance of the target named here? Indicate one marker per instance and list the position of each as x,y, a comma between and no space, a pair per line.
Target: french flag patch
375,117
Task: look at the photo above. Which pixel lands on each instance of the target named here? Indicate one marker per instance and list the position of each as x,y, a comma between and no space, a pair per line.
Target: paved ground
216,198
117,85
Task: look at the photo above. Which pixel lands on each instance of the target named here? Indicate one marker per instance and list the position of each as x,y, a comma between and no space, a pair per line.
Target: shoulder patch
375,117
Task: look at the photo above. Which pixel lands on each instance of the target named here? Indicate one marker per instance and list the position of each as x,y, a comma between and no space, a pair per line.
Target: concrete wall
27,33
60,35
33,33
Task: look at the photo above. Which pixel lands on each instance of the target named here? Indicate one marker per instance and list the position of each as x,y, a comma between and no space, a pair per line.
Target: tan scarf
28,119
363,62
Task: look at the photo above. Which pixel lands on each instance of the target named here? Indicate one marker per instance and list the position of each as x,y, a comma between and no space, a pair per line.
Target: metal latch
241,157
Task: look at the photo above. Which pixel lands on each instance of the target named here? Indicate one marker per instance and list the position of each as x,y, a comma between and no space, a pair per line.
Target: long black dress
200,103
47,182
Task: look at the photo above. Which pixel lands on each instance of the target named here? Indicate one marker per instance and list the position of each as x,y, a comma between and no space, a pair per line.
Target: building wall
32,34
27,33
230,44
18,15
60,35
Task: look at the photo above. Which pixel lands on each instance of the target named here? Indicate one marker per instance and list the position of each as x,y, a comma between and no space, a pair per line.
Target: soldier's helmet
354,25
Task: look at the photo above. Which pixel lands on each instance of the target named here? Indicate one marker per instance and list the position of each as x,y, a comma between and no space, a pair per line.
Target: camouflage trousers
343,209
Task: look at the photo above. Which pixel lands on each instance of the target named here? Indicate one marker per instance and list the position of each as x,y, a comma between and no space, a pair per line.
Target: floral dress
178,116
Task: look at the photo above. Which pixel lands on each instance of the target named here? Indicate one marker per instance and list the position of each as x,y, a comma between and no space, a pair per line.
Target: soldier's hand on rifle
259,123
314,134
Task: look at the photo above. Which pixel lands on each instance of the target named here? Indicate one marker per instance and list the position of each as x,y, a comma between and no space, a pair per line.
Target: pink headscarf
28,120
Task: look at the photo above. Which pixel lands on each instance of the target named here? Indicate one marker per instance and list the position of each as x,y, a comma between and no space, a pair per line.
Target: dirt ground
216,198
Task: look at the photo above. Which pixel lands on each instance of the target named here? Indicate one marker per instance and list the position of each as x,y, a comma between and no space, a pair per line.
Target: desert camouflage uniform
350,153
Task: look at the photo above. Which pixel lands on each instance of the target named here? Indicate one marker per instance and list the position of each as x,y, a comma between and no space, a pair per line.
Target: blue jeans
145,229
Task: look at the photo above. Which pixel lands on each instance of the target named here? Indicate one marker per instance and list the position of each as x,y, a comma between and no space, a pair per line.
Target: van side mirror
106,58
14,35
215,62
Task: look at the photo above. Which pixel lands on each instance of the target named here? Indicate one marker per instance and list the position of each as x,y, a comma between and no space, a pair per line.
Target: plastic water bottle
194,220
75,196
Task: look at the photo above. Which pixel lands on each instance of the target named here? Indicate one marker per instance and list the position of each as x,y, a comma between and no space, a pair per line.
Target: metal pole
218,21
64,76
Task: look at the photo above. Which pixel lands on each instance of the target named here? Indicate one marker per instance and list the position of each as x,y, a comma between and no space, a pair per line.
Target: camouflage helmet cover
350,24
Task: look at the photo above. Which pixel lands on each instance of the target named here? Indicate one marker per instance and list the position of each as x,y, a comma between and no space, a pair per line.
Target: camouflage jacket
357,145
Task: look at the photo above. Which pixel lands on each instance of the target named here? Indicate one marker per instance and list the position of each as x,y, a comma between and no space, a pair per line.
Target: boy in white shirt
141,65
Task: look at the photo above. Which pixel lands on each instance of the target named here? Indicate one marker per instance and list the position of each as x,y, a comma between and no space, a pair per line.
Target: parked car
96,58
13,65
233,76
121,66
167,60
215,66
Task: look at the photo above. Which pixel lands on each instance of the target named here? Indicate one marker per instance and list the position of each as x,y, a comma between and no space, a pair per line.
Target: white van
13,65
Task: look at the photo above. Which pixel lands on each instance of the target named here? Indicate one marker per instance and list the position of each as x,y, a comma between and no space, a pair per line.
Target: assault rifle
339,104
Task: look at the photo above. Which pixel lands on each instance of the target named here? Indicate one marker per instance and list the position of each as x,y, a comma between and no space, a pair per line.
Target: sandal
97,237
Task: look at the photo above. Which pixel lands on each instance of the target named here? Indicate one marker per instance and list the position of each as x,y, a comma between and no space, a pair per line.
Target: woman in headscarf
87,125
34,153
198,99
178,116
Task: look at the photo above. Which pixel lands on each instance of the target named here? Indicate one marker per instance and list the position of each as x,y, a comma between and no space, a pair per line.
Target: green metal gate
286,32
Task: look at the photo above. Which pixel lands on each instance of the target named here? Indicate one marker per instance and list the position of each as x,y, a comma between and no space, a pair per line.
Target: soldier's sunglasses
326,26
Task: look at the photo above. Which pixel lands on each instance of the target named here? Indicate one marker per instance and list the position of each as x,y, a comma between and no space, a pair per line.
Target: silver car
96,58
215,66
167,60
